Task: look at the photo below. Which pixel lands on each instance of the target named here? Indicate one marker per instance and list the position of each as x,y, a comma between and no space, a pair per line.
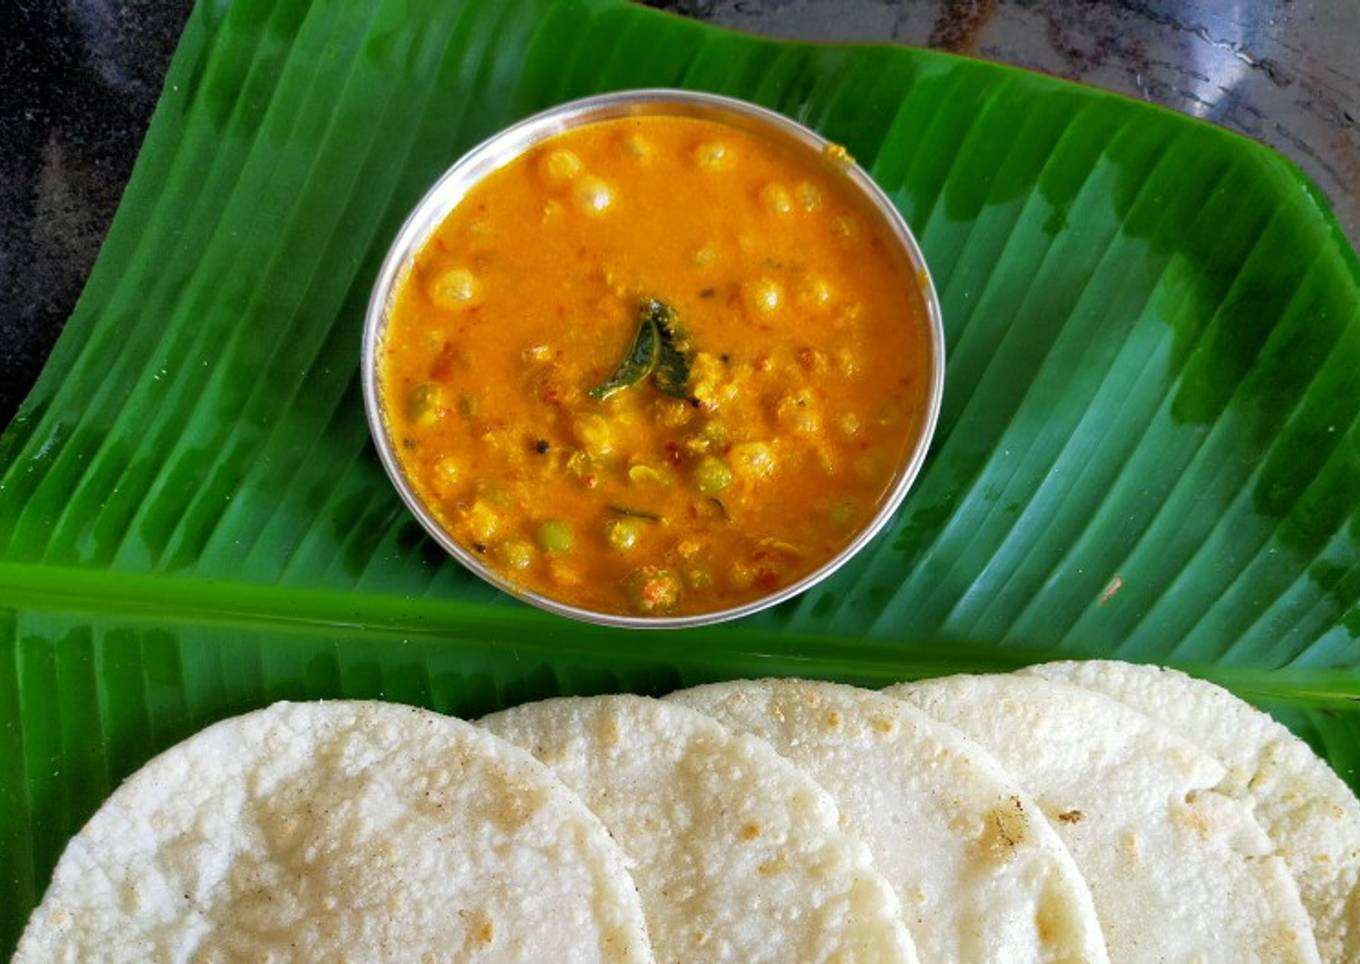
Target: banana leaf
1149,445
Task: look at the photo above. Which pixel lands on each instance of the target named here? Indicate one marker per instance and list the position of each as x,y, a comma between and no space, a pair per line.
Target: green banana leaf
1148,449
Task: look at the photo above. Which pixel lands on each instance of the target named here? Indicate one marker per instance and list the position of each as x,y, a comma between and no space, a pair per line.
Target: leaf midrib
439,623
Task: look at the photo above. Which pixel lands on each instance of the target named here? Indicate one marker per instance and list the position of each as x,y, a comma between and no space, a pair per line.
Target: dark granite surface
79,78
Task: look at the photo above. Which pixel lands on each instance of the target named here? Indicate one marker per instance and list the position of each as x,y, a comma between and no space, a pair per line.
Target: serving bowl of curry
653,359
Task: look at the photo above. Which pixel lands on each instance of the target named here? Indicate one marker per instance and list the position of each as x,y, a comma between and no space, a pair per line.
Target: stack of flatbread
1072,812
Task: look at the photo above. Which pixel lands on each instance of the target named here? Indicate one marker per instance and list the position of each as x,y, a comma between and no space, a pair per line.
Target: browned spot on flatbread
481,933
1194,816
775,865
1004,828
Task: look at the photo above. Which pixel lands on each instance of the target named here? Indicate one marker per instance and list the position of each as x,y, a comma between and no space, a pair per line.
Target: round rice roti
1307,810
981,874
738,854
340,831
1178,871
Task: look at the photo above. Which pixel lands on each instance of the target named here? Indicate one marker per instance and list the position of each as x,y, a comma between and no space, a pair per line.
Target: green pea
698,577
555,536
843,514
622,534
495,494
712,476
425,403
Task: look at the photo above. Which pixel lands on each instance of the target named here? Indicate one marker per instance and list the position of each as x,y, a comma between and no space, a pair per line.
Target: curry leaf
640,361
660,349
671,376
634,513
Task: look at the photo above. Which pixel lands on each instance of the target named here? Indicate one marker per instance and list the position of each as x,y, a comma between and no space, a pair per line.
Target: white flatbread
981,875
1178,871
340,831
738,854
1307,810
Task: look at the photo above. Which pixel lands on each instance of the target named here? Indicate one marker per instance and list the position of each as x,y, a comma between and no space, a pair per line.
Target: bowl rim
511,142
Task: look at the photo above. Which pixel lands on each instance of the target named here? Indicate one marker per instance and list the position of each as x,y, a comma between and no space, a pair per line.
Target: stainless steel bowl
495,152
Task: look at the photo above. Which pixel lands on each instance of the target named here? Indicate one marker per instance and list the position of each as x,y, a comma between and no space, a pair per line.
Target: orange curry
656,366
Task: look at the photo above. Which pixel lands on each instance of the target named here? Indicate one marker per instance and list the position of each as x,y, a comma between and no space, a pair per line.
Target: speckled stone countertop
79,78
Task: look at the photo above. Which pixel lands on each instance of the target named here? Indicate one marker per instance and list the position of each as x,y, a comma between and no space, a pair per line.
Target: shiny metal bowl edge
513,141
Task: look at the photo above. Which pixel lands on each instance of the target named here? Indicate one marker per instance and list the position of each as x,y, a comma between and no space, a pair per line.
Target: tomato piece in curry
656,366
